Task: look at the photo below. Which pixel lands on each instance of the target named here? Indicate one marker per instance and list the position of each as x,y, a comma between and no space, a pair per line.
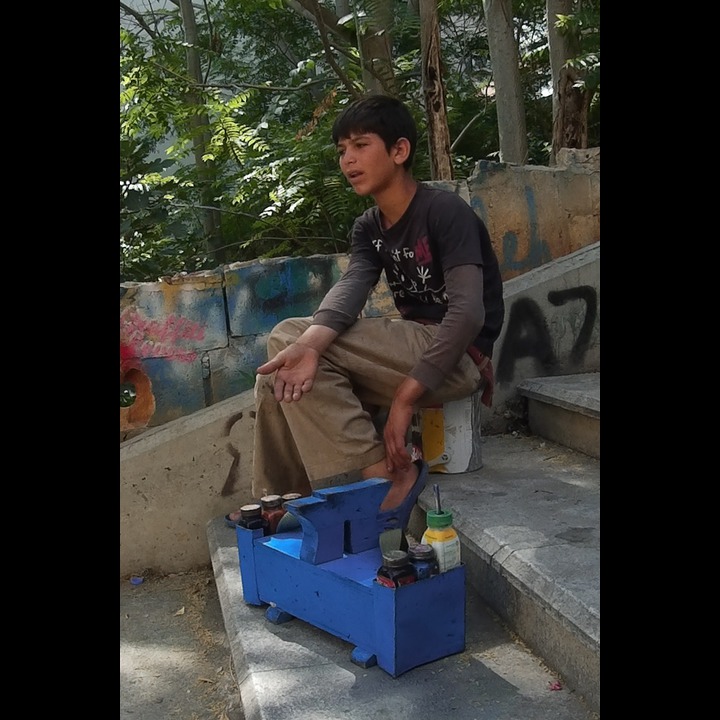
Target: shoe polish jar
424,561
251,517
291,496
396,570
272,511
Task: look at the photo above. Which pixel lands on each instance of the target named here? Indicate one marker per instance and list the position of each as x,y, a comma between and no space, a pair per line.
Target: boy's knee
288,326
264,386
285,333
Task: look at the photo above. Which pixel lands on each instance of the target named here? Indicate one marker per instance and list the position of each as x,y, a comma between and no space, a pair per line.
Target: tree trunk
570,127
373,43
199,125
570,104
556,45
506,73
434,91
375,46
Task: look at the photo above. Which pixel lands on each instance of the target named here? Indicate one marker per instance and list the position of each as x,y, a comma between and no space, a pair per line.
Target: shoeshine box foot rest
324,573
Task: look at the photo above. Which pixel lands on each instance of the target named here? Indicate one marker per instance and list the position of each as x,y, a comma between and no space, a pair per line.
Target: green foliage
583,28
156,237
265,111
301,203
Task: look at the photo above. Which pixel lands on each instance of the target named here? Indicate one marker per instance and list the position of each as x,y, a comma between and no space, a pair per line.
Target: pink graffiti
143,337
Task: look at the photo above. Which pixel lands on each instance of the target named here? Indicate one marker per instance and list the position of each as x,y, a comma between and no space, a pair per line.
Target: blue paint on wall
164,321
479,207
177,387
224,317
232,369
538,251
262,294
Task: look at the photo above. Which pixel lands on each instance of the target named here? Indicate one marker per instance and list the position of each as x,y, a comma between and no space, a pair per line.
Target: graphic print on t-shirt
413,277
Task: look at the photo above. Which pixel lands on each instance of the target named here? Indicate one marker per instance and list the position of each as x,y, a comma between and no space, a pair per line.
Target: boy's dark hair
380,114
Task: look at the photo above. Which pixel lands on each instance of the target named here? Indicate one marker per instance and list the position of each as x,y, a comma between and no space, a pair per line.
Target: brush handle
436,491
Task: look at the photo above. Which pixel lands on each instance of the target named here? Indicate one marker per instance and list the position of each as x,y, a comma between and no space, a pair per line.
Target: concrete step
529,525
565,409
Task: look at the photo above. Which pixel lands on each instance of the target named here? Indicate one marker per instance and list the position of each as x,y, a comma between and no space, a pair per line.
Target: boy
326,370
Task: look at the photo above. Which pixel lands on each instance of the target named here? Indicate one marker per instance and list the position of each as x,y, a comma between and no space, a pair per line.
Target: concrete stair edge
565,409
572,611
537,603
577,393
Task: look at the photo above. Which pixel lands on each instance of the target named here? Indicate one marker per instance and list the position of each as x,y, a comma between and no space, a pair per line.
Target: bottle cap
271,501
291,496
250,511
421,551
395,558
440,519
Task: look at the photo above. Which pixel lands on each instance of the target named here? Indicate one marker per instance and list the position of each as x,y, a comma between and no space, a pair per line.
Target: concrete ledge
295,670
578,393
570,428
558,633
565,409
529,528
176,477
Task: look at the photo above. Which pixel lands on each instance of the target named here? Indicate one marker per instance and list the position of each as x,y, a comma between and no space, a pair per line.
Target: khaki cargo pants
329,432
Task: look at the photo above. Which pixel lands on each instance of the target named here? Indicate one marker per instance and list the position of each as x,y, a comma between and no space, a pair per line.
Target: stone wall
191,341
176,477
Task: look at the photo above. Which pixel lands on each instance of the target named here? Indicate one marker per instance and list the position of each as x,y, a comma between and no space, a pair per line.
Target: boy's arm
296,365
404,404
343,303
461,324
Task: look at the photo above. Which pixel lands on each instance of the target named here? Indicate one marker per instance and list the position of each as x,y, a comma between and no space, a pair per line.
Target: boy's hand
395,436
407,396
295,368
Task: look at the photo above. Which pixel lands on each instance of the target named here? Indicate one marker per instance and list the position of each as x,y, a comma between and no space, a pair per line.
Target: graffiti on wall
588,295
233,476
259,295
144,337
536,251
137,402
527,334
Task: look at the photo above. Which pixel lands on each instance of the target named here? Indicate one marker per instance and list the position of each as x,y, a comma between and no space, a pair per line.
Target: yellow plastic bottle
442,536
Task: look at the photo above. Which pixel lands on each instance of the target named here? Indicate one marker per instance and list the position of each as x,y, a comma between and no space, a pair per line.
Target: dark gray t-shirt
440,266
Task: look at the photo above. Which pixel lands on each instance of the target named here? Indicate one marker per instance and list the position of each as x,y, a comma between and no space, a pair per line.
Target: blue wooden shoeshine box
323,572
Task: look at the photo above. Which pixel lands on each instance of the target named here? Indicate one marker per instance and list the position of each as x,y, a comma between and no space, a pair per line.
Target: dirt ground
175,659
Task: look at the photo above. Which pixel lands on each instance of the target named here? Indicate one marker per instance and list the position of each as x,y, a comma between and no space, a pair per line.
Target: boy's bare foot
402,482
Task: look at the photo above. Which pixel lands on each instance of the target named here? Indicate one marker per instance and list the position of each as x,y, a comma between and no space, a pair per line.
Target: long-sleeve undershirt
437,259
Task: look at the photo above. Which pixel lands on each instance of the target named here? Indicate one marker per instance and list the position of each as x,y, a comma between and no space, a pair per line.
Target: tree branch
464,131
328,52
309,9
139,19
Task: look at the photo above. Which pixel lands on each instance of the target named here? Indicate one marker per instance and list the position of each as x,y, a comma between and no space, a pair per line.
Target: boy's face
366,164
